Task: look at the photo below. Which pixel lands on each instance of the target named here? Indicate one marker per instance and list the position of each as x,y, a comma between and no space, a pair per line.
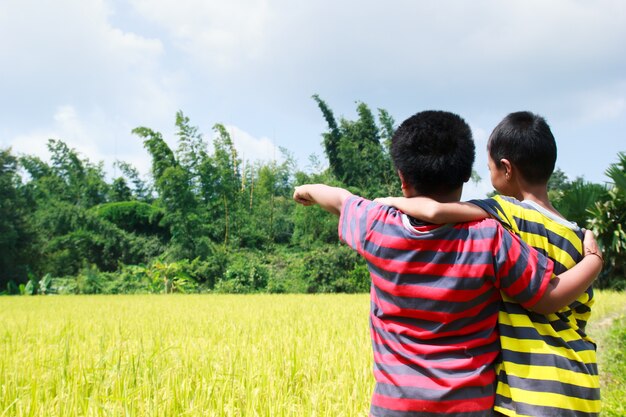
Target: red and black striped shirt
435,296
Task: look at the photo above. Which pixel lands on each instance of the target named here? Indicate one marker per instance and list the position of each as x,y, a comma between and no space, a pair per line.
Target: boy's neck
537,194
441,197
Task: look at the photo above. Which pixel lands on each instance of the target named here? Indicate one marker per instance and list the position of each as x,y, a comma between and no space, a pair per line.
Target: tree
387,128
361,152
16,237
173,184
574,199
269,207
312,225
192,150
67,178
141,190
577,198
82,182
73,238
609,225
120,191
227,185
68,235
332,139
558,180
358,150
134,217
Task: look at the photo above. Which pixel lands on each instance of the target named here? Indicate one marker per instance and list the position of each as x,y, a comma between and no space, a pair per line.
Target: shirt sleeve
355,220
521,272
494,207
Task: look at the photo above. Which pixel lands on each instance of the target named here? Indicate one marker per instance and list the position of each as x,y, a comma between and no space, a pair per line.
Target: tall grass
607,304
608,328
204,355
614,371
194,355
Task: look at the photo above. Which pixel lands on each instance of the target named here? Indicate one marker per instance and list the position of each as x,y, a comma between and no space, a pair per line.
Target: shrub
134,217
245,273
334,268
91,281
63,286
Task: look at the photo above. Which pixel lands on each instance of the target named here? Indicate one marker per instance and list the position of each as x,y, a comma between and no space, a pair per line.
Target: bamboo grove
207,220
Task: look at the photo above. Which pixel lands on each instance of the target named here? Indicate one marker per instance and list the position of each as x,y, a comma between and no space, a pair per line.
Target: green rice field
194,355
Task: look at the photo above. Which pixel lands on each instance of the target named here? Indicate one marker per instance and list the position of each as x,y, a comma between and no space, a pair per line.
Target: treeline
207,220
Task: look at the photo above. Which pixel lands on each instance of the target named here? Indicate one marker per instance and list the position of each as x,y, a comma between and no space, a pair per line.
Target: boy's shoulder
507,207
552,235
360,206
488,225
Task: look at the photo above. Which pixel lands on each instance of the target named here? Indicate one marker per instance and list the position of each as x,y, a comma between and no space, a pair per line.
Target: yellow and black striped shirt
548,365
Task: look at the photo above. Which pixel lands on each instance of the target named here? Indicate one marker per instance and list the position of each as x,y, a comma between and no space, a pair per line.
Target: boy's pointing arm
329,198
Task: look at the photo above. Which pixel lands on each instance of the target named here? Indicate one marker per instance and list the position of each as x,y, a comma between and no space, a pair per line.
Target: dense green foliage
608,221
602,209
207,220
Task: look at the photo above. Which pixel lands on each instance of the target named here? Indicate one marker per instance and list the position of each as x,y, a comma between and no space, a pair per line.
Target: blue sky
89,71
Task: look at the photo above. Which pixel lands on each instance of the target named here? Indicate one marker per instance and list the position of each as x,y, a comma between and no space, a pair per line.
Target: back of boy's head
434,151
525,139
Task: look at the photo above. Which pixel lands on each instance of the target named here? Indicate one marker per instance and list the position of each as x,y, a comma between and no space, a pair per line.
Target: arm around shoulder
433,211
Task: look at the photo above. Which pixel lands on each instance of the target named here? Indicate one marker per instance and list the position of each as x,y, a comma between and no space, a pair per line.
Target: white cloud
120,64
251,148
67,51
31,143
73,37
65,126
473,191
481,136
67,119
225,34
90,135
601,105
457,50
76,77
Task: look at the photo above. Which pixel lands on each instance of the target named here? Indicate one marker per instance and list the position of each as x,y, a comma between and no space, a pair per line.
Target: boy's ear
508,168
407,189
402,181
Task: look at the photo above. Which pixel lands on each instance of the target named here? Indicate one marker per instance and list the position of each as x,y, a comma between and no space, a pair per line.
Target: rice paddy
190,355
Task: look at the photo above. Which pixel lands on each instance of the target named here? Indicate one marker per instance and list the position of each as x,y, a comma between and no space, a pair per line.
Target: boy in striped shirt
435,291
548,365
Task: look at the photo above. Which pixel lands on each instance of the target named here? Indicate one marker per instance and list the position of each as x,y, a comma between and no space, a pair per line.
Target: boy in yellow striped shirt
548,365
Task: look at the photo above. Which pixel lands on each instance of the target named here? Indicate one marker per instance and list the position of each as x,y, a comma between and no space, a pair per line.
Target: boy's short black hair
525,139
434,151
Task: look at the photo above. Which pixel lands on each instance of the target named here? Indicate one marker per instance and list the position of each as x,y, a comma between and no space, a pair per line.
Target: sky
87,72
